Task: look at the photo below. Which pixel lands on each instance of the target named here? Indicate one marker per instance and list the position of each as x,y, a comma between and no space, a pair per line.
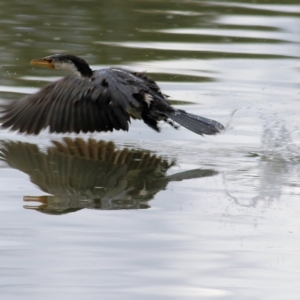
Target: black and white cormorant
100,100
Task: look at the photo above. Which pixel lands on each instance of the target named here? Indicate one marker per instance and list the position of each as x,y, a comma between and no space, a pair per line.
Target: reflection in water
274,176
267,185
92,174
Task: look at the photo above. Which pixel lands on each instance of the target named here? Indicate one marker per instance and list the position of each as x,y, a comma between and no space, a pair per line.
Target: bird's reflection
92,174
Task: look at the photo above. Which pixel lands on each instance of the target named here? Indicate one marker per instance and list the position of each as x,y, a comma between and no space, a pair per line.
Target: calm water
141,215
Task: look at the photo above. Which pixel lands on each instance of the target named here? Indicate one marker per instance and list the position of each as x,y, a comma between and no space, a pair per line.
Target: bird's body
100,100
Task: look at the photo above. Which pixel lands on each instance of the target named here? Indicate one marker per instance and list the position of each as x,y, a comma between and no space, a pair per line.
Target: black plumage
101,100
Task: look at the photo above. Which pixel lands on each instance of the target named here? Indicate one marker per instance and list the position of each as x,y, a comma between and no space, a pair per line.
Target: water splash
276,172
276,140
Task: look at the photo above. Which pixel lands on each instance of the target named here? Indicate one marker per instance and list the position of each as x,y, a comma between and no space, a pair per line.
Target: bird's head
67,62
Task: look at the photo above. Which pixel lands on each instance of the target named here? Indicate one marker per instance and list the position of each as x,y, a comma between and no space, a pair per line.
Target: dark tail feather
197,124
191,174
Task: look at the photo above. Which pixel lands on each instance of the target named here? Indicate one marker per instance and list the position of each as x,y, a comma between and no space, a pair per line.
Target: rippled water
141,215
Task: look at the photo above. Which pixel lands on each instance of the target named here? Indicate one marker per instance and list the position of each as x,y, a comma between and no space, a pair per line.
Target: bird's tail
197,124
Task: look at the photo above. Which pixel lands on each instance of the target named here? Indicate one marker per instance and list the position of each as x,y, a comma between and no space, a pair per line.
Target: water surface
142,215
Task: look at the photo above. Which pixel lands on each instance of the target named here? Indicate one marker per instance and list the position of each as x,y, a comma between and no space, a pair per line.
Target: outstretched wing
72,104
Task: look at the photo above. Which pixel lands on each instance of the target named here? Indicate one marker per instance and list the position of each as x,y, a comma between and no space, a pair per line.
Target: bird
97,101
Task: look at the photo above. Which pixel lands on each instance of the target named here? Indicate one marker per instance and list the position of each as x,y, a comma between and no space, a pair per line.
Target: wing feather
74,104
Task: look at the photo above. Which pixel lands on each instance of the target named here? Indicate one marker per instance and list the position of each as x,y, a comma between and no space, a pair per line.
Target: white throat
67,67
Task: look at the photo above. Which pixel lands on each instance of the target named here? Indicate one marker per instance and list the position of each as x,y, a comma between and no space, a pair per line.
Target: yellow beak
42,62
